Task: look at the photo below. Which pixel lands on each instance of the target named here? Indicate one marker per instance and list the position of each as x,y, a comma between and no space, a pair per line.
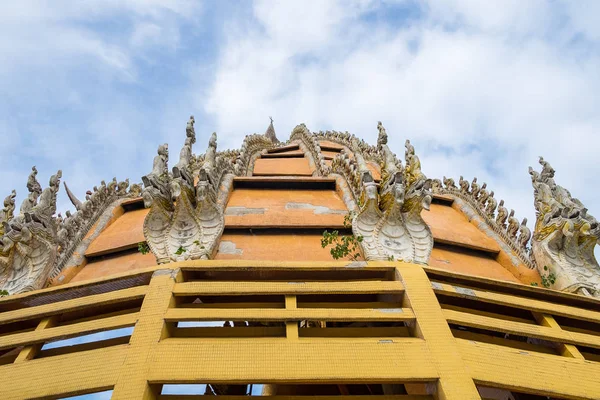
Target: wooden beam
318,314
237,288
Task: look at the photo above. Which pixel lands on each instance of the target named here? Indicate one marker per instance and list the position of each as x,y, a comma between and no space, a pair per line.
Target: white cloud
494,84
481,88
69,76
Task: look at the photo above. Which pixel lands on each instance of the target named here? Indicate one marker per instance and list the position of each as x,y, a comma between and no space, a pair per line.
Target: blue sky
481,88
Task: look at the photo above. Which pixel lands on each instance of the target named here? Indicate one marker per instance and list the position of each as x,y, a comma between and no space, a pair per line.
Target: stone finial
74,200
270,132
190,132
382,137
32,183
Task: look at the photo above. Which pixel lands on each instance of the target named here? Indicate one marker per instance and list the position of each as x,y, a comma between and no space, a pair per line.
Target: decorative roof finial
270,132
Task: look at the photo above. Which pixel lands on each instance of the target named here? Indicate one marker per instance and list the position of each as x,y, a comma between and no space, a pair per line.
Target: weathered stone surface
185,220
389,220
564,237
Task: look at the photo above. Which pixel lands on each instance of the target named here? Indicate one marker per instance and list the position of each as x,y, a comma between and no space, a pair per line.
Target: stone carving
28,245
483,203
8,211
389,219
351,142
74,227
564,236
184,221
502,215
310,141
491,205
464,185
270,133
513,225
251,149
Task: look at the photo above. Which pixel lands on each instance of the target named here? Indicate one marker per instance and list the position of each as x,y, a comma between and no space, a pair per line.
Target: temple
322,266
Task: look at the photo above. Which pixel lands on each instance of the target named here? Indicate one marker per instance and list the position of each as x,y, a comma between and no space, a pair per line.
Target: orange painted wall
327,143
304,247
114,265
469,263
450,226
281,208
282,166
125,232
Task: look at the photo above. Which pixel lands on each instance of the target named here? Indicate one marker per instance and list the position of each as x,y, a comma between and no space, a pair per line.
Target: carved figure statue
449,183
524,234
211,153
547,170
410,150
112,186
190,132
182,168
9,208
464,185
502,215
122,187
382,137
159,177
390,165
491,205
483,195
32,183
513,225
475,188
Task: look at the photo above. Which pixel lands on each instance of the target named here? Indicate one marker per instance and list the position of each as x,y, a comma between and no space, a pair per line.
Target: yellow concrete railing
441,335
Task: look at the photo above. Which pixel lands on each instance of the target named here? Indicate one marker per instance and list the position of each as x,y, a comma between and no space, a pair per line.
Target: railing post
454,381
291,327
149,330
29,352
566,350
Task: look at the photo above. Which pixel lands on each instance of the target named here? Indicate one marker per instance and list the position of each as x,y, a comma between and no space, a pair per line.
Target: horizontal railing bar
235,288
280,360
215,332
516,301
321,314
283,397
530,372
68,331
76,373
522,329
61,307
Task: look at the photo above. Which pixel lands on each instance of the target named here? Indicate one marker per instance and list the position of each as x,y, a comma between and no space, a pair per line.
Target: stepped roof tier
272,200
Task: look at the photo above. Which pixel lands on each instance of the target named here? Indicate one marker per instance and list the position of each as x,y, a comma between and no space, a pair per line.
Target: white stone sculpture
389,220
185,221
564,236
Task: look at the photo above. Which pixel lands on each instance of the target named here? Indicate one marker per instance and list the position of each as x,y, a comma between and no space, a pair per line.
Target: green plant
180,251
4,293
342,245
143,247
549,279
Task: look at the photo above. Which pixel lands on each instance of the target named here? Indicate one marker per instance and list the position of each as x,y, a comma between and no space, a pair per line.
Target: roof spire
270,132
